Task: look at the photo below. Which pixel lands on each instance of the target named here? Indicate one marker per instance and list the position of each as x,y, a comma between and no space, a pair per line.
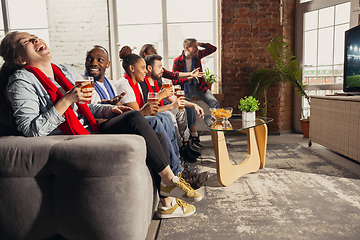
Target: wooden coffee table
256,132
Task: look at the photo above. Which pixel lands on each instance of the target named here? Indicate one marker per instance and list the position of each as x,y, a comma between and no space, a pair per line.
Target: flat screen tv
352,60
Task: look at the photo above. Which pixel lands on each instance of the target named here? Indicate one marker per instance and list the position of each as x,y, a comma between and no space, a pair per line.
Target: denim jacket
34,111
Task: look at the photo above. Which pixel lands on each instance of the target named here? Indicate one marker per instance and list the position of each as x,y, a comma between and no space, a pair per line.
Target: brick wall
74,27
246,28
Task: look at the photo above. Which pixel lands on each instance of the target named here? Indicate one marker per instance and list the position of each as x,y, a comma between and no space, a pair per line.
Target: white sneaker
180,189
179,208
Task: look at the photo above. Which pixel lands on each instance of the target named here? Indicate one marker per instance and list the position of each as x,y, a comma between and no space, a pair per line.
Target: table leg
227,173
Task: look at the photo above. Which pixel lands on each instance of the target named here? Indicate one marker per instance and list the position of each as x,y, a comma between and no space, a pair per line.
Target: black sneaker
196,141
194,151
186,156
196,180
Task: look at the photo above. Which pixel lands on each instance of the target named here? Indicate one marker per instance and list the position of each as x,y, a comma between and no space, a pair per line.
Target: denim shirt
34,112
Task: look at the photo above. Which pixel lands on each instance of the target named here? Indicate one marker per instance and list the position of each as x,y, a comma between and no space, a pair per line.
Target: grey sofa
75,188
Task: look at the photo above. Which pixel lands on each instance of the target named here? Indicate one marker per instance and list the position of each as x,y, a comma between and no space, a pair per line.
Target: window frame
114,35
301,9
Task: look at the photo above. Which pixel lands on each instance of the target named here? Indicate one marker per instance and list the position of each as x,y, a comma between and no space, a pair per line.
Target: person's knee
133,115
135,118
215,103
154,122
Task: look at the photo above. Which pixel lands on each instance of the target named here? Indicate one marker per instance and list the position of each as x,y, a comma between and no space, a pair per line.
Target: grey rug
298,195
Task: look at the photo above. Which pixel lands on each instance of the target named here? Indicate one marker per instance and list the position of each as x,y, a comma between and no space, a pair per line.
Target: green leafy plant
249,104
285,70
210,77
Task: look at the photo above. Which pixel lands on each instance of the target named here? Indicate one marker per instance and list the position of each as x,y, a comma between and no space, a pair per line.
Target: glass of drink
181,95
84,88
166,83
153,97
177,88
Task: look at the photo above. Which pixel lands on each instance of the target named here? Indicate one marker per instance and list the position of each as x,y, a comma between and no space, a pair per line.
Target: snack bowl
220,114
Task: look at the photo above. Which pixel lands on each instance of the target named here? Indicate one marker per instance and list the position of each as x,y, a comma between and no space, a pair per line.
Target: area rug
298,195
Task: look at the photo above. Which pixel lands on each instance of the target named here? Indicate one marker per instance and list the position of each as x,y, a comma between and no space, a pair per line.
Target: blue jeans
206,97
191,115
169,127
158,126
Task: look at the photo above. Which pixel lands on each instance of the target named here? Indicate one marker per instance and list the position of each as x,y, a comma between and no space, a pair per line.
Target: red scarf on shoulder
151,89
139,98
71,126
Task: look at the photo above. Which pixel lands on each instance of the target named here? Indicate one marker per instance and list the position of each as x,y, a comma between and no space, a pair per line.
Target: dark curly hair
128,58
11,63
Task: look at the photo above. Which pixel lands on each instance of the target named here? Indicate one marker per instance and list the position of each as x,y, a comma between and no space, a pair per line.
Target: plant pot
246,124
305,125
248,116
209,86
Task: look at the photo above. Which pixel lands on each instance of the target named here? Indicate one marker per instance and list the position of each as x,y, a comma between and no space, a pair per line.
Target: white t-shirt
122,85
96,97
188,64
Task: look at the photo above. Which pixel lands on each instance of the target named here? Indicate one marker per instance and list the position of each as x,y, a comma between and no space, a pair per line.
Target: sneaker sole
172,194
175,215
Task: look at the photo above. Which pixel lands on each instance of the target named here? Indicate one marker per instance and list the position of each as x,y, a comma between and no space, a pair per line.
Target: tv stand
335,124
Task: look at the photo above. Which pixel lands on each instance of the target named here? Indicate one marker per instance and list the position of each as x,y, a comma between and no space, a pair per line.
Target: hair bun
126,50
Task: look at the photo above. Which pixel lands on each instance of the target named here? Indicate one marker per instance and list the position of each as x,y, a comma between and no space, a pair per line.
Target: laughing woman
45,102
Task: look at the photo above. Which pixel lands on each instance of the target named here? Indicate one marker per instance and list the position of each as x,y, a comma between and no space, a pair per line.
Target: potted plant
285,70
210,78
248,106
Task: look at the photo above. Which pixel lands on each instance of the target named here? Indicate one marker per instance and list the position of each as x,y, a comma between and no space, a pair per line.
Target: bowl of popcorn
221,114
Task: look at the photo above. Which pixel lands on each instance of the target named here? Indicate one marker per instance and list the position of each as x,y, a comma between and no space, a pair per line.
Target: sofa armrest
102,186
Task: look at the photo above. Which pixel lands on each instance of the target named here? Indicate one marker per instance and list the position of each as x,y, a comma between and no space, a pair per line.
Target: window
323,54
19,19
319,49
163,24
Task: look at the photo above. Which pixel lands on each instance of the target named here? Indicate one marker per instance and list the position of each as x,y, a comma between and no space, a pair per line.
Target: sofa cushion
97,155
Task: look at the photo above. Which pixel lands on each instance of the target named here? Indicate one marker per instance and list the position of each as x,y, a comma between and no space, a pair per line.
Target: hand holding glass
166,83
87,86
153,97
176,88
181,96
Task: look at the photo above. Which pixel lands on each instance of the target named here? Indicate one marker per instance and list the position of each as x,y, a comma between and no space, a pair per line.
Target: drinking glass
181,95
166,83
153,97
177,88
84,88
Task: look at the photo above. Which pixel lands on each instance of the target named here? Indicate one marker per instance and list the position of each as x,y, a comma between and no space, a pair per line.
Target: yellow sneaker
180,189
179,208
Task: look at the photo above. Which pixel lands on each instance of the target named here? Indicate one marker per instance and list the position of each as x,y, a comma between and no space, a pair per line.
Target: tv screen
352,60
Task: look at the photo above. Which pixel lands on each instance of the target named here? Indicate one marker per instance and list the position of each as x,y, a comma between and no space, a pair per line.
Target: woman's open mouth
42,47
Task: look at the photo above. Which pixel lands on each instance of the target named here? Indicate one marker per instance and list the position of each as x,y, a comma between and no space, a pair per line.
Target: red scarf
151,89
139,98
71,126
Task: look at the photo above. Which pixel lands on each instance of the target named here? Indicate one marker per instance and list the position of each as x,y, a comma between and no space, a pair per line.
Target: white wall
74,28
